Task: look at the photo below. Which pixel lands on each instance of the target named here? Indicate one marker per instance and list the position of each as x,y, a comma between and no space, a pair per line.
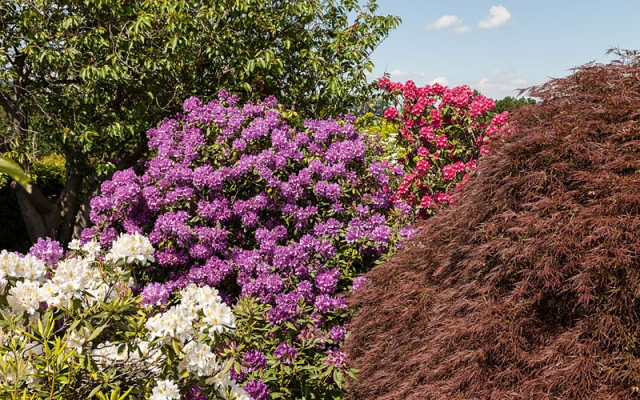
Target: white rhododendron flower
219,317
49,292
199,359
165,390
74,244
8,262
131,247
177,321
92,249
108,353
24,297
221,381
21,267
3,283
105,354
75,341
237,393
31,268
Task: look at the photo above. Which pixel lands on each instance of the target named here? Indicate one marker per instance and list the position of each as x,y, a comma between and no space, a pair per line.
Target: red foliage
529,287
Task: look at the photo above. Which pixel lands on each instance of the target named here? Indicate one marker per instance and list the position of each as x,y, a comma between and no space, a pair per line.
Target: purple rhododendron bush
281,218
528,287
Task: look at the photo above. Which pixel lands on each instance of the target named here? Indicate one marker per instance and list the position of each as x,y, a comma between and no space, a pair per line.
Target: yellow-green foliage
49,174
388,133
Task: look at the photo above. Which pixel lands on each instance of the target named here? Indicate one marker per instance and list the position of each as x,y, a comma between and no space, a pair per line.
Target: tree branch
70,205
33,219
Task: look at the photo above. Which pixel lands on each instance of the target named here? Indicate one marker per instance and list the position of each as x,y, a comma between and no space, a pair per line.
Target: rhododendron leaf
16,173
338,378
95,391
96,332
126,394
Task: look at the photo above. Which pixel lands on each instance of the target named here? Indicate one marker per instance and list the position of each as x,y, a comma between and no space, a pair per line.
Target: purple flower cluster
155,294
47,250
196,393
286,352
336,357
257,390
254,360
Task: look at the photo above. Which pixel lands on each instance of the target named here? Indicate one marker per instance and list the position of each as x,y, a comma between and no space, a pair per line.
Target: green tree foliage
511,103
88,78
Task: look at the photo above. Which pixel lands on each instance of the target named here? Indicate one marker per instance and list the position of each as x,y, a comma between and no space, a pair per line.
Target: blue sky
497,47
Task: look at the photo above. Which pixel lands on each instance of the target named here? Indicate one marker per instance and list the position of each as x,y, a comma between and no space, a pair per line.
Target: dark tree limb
33,218
70,205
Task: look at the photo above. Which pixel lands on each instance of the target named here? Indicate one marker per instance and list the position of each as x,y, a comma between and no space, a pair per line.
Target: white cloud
502,82
446,21
441,80
461,30
498,16
398,73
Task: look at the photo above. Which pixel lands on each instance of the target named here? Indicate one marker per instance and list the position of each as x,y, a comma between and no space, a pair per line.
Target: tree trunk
33,220
41,216
70,205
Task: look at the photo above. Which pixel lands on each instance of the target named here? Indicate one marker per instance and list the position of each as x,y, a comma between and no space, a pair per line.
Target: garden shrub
71,326
528,287
49,174
386,130
443,133
280,219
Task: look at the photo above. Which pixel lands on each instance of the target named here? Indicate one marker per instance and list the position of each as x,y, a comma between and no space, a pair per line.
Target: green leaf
95,391
96,333
16,173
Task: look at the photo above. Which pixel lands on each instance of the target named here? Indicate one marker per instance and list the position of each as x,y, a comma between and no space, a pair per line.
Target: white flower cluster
131,247
165,390
92,248
200,310
199,306
73,278
107,353
27,267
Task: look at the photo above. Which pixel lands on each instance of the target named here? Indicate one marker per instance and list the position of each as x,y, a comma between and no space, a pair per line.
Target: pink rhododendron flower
391,113
442,142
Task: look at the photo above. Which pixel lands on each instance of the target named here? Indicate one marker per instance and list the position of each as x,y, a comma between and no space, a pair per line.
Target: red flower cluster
444,131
